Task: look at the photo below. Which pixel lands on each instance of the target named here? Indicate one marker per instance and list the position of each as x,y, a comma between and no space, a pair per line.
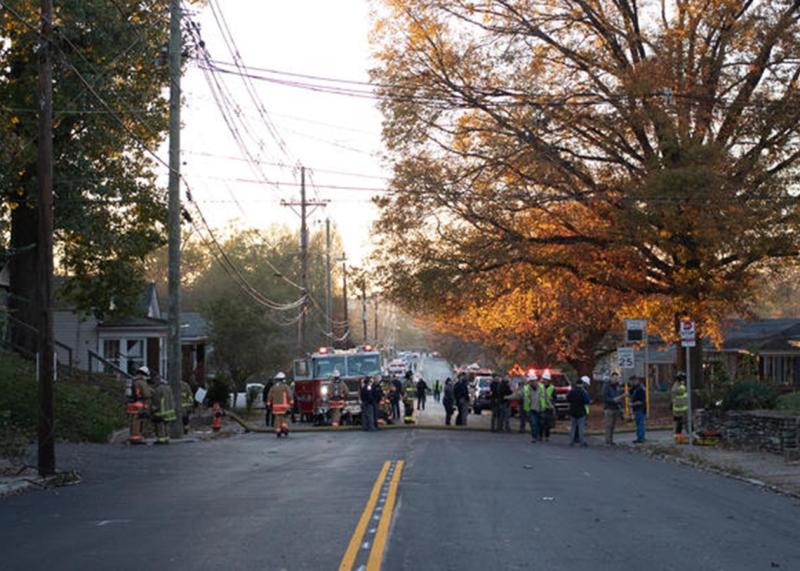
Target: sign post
626,359
687,331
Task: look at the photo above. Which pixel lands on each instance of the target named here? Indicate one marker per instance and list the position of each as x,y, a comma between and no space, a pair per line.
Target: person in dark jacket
267,407
367,410
448,400
639,406
461,393
422,392
612,407
377,397
504,394
396,397
578,400
494,402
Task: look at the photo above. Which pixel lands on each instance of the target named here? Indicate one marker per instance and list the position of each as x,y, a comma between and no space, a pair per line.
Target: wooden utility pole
364,307
375,301
304,212
328,284
346,332
44,248
174,356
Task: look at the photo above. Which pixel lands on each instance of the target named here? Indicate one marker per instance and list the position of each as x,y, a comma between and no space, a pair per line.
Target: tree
651,152
109,210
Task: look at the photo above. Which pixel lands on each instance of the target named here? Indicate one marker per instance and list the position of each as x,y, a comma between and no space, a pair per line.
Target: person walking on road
437,390
526,395
422,392
578,400
449,401
612,407
461,392
409,390
639,406
524,415
367,410
280,401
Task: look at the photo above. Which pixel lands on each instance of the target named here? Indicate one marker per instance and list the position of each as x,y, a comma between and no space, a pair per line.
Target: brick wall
753,430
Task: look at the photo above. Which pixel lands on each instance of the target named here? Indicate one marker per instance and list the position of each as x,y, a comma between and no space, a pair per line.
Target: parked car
481,398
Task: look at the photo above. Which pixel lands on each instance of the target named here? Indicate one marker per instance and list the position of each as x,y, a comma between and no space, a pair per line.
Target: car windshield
324,366
484,383
363,365
560,381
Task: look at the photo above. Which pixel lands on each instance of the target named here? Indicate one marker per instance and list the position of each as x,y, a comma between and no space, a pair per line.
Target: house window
111,350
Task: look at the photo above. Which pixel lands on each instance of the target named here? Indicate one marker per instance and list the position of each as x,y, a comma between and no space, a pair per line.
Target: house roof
193,326
134,323
761,335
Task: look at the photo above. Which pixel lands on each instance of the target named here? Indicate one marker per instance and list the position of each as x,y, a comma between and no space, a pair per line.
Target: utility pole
304,212
346,332
364,306
375,301
174,358
328,285
44,248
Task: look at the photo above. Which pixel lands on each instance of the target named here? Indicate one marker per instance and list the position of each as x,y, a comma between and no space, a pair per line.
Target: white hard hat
586,380
533,377
546,375
143,370
280,376
336,373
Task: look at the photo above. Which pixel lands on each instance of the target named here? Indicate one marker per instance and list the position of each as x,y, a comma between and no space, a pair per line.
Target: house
766,349
123,344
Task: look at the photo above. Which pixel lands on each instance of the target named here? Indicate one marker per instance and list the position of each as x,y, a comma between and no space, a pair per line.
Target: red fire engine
313,377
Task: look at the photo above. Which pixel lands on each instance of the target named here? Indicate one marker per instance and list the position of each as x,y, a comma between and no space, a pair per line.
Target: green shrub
789,403
749,395
219,391
84,412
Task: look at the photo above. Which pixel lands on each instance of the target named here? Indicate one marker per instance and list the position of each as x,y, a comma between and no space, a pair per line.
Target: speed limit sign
625,358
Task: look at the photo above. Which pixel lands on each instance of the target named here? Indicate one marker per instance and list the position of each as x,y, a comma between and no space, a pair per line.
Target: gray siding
80,335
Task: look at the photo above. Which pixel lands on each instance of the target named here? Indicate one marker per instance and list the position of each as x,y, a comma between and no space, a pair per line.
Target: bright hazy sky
317,37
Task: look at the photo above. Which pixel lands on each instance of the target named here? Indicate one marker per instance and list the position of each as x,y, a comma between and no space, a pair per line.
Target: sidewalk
758,468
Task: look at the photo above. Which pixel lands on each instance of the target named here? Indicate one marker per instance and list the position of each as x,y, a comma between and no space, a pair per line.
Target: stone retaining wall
753,430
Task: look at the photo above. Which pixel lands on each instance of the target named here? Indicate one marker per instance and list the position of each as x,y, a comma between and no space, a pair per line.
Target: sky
324,132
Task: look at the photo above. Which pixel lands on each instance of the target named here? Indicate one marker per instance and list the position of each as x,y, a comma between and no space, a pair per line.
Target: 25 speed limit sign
625,358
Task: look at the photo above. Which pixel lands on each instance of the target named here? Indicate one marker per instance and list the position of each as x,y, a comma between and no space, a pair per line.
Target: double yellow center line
372,529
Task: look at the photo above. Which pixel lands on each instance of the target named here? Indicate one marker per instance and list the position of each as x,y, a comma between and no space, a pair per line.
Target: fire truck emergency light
323,350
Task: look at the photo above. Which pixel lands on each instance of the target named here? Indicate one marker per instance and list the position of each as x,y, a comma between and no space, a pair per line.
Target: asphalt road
464,500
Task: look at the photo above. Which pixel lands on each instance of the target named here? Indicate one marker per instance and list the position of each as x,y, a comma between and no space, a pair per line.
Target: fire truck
313,377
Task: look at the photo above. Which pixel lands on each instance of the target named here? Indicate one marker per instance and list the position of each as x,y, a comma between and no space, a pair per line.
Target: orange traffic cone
216,419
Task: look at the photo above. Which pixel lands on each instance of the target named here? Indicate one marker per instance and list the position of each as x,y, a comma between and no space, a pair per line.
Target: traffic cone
216,419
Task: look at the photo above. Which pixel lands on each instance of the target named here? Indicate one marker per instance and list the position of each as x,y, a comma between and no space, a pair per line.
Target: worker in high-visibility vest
139,404
680,406
163,410
280,400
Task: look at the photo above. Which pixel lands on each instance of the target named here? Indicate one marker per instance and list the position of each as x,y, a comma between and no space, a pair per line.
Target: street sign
635,330
687,333
625,358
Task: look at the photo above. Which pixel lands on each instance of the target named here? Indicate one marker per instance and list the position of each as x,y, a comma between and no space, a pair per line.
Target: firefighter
163,409
409,390
280,401
680,406
339,394
187,404
139,405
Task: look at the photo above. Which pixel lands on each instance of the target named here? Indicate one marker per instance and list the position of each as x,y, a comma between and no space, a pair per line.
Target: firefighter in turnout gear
139,404
409,391
163,410
280,400
339,394
187,404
